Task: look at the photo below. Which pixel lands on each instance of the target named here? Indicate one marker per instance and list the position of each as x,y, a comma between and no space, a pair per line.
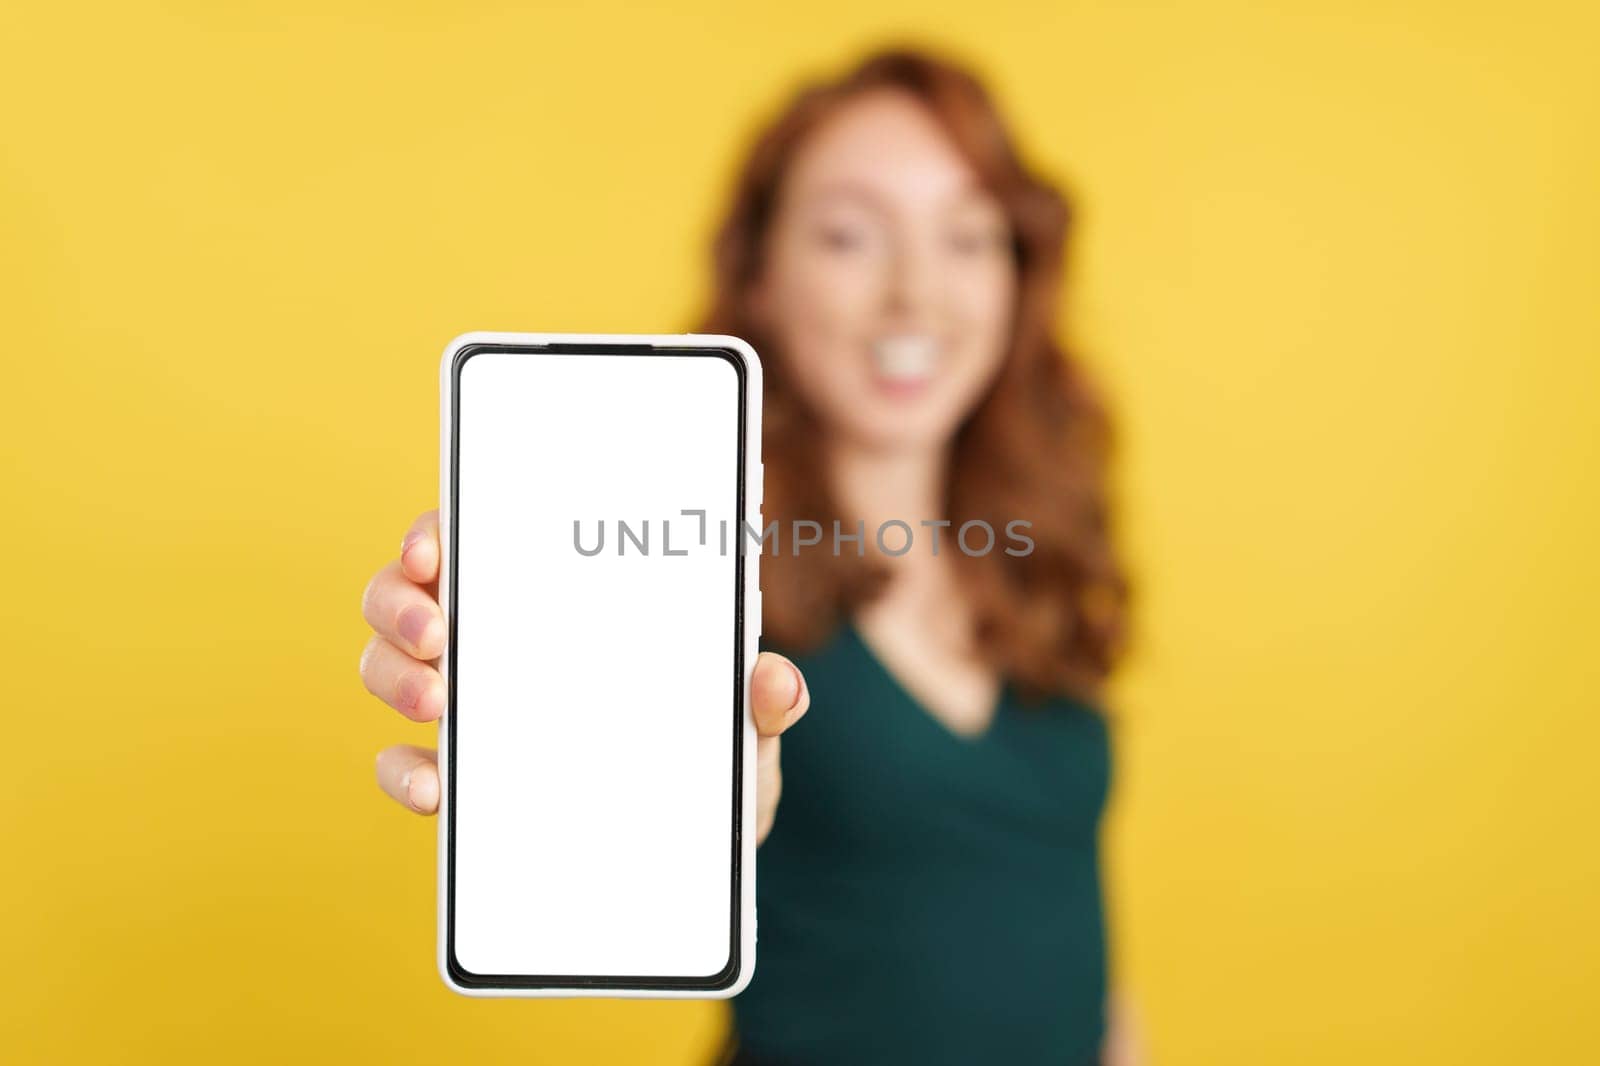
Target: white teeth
906,357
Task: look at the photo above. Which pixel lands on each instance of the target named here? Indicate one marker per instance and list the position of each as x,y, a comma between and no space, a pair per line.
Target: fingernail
410,542
799,686
413,624
429,784
408,693
405,788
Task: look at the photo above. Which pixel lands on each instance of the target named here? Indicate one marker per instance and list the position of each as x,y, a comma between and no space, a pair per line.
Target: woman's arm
1124,1043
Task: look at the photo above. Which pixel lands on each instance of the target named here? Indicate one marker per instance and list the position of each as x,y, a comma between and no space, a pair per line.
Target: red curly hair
1035,447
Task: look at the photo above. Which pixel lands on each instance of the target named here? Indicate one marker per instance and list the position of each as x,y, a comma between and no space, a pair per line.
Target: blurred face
889,279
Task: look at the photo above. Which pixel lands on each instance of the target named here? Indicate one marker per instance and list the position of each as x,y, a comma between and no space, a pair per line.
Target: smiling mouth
906,359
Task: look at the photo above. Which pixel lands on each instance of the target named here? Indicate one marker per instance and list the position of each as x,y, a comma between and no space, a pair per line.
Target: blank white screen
594,696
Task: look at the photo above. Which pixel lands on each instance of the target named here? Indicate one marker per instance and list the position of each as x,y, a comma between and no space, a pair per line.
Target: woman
931,892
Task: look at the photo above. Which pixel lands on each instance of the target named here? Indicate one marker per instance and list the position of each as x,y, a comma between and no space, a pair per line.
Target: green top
926,897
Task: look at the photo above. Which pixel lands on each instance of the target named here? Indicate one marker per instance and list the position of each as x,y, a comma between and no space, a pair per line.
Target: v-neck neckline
881,668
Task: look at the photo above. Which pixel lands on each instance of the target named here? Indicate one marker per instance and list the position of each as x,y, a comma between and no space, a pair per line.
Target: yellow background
1338,269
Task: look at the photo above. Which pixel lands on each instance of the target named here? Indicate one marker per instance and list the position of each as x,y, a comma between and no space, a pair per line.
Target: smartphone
597,751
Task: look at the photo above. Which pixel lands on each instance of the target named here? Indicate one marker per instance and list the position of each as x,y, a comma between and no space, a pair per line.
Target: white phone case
744,604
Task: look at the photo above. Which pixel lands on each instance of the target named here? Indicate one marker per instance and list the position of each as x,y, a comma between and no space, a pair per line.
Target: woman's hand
400,667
